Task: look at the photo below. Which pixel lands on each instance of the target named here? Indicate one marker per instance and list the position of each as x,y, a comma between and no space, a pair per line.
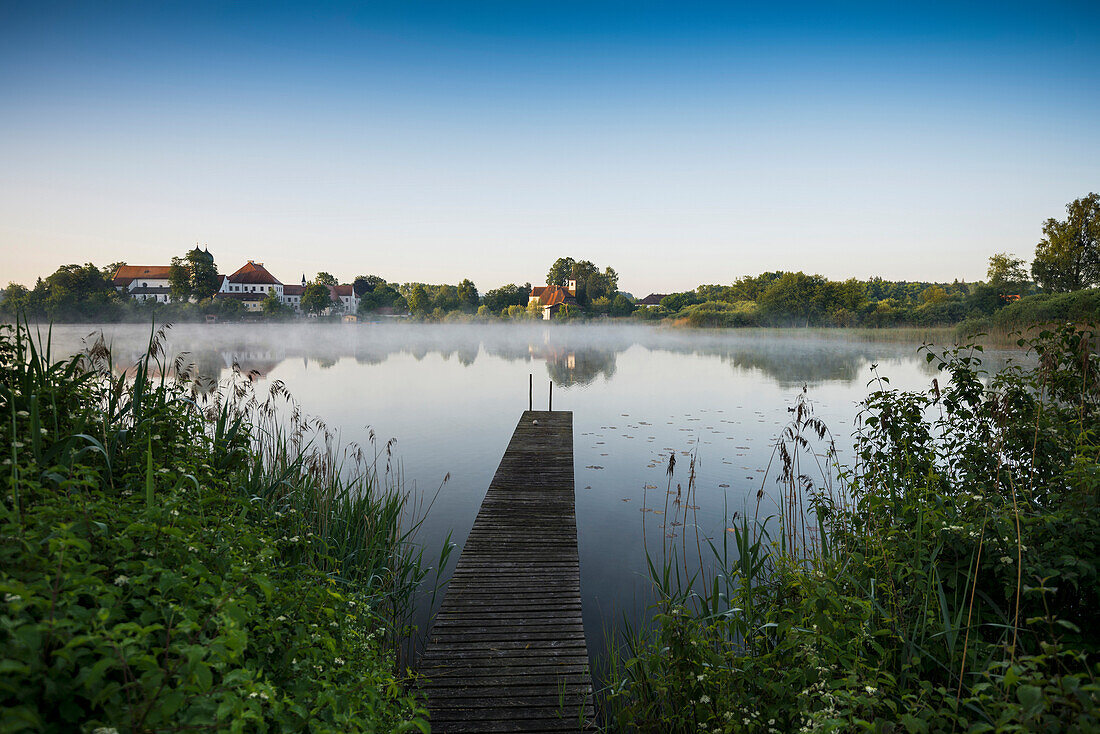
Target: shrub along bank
947,580
172,564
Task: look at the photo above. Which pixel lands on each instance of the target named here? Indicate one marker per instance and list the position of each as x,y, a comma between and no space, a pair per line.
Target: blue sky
681,143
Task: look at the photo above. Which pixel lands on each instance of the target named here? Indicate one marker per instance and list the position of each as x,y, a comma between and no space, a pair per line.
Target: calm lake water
451,396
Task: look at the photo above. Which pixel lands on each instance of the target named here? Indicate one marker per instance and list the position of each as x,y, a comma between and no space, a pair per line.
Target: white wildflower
12,597
339,661
121,580
22,414
1006,559
871,690
699,677
280,618
704,698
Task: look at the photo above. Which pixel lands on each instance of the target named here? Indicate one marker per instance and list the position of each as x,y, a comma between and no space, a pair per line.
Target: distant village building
292,295
250,285
653,299
552,297
143,282
343,298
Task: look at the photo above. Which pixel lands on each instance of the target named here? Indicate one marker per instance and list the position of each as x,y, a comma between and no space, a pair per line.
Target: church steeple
303,280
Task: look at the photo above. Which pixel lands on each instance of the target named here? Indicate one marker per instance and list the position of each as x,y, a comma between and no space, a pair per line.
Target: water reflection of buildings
573,356
569,366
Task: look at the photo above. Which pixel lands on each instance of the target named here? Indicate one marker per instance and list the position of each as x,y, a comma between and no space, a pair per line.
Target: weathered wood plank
507,650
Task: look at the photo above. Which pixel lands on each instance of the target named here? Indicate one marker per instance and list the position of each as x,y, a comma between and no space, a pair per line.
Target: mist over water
451,396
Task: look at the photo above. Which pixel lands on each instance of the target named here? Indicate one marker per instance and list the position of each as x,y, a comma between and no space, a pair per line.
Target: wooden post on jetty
507,650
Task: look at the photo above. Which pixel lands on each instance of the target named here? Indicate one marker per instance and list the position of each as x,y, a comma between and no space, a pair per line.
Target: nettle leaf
1031,697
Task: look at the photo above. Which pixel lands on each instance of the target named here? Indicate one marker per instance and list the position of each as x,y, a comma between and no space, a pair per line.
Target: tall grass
947,579
267,567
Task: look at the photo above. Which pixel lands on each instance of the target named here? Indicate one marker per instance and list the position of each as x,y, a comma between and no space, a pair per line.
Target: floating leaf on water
593,466
626,499
651,486
677,524
723,485
658,512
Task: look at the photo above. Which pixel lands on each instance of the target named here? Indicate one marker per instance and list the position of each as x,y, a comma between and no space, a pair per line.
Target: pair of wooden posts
531,393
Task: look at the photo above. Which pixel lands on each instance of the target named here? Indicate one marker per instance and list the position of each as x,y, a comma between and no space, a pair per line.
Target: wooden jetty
506,651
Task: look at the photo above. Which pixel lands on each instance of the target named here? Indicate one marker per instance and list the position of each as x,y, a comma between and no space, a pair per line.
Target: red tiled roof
341,290
552,295
127,273
254,273
653,299
294,290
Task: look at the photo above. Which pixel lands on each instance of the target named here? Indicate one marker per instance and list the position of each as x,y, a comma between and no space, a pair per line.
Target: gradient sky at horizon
681,143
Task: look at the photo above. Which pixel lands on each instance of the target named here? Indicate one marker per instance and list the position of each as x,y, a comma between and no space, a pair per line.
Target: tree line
1067,261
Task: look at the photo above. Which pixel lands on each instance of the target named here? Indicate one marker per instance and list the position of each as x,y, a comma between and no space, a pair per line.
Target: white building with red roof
143,282
552,297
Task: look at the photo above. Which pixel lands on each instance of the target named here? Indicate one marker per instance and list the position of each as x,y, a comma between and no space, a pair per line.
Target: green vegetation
947,580
1068,256
1066,260
316,298
172,559
194,276
84,293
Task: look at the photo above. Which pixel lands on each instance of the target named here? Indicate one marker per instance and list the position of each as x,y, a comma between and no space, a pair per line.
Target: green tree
179,280
467,295
591,282
567,312
621,306
933,294
274,308
515,312
676,301
1007,272
364,284
419,301
316,298
793,298
203,273
1068,256
326,279
561,271
501,298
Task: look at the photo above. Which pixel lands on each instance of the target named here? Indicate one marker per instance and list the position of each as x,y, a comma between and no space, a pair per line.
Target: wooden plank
507,650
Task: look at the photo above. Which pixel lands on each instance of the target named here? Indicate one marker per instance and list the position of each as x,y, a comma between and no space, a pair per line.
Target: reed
243,555
913,588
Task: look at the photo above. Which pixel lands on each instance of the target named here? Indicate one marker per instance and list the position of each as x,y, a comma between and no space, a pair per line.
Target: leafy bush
720,314
1050,308
947,580
165,566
